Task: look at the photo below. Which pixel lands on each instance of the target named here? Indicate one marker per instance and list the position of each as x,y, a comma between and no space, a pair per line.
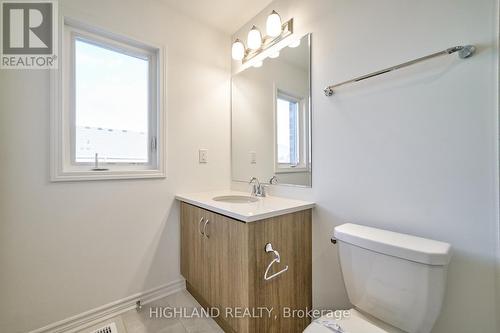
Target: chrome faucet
258,189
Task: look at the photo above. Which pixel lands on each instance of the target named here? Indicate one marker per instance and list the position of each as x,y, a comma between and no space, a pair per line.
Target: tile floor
140,322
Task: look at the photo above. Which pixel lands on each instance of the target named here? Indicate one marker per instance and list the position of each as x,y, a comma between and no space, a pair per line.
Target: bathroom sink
239,199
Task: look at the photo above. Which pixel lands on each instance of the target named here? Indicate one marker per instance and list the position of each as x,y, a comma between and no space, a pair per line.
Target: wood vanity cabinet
224,268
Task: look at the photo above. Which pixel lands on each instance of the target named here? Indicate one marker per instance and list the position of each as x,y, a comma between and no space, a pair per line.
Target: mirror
271,119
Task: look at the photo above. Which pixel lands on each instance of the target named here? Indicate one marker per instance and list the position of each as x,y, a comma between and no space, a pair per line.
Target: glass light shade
238,50
295,43
254,40
273,24
274,55
258,64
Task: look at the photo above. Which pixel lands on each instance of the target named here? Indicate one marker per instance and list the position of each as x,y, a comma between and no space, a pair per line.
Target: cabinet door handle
199,226
207,221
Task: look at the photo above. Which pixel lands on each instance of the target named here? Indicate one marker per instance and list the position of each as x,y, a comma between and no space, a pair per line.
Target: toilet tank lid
418,249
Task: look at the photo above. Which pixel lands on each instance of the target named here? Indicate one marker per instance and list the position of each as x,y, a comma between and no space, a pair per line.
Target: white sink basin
237,199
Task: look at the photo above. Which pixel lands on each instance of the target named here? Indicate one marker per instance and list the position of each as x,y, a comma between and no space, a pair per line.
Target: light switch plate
203,155
253,157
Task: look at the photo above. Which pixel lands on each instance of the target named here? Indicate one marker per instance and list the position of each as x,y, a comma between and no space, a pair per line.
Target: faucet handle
273,180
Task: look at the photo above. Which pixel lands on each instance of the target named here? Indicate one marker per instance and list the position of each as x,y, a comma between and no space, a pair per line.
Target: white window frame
304,165
63,167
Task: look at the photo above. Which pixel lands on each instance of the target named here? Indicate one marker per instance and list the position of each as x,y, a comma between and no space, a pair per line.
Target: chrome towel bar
463,53
269,248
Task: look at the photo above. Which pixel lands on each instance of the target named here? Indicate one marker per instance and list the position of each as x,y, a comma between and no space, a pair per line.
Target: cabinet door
228,268
290,235
193,255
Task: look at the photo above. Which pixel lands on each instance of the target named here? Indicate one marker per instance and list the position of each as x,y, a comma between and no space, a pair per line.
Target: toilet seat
355,323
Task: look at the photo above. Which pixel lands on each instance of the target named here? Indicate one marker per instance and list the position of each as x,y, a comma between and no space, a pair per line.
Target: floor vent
109,328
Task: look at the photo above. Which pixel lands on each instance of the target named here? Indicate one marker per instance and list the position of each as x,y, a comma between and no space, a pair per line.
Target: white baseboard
94,316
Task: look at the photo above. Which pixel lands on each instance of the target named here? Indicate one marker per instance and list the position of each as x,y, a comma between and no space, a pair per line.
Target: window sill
71,176
291,170
287,169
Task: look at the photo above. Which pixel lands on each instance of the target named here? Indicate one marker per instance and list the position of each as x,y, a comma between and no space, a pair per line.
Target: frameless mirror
271,119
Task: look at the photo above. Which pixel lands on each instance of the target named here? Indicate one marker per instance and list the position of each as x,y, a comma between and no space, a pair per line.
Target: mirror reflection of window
290,132
287,119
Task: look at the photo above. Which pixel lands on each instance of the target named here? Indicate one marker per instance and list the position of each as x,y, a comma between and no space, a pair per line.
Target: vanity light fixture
273,24
238,50
254,40
257,44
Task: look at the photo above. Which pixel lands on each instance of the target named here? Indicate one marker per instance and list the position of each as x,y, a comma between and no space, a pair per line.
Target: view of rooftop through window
111,105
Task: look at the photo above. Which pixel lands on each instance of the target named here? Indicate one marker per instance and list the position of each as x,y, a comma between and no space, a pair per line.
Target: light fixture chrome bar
286,30
463,52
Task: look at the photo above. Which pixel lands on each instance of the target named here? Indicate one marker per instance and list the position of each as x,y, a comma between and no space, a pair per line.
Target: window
111,105
107,114
288,131
291,133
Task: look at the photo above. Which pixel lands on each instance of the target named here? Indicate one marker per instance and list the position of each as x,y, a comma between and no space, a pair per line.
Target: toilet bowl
396,282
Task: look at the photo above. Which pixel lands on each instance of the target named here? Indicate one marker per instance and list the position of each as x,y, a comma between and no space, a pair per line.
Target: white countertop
264,208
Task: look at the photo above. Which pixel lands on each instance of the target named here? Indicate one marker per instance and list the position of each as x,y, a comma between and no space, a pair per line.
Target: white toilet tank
397,278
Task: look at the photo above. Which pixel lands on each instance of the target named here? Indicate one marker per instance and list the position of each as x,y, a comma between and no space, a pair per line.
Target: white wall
413,151
69,247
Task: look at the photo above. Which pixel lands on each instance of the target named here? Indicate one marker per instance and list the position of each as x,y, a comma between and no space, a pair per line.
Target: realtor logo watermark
29,34
160,312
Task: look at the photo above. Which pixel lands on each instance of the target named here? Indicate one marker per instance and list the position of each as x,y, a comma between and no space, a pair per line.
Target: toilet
396,282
